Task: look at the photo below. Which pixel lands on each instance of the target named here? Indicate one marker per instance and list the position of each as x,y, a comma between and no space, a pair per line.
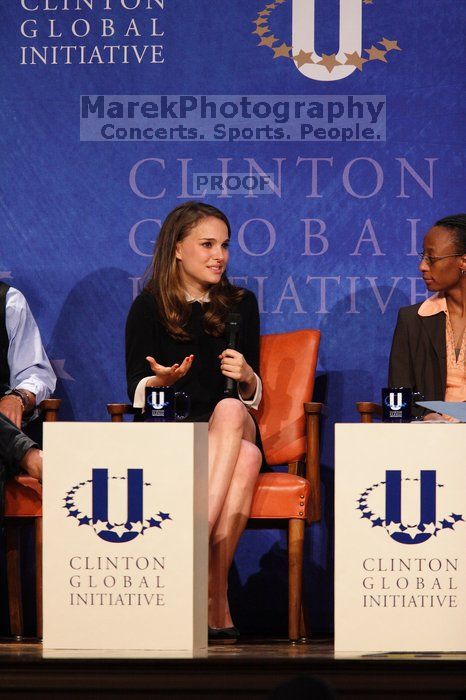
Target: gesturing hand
234,365
166,376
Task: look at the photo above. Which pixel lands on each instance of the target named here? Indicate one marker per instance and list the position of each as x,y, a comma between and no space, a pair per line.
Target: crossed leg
234,464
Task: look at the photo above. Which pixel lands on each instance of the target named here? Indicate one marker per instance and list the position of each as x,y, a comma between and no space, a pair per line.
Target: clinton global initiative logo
89,502
395,401
411,510
350,55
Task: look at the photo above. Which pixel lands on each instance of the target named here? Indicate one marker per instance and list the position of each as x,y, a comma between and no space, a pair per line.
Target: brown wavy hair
163,278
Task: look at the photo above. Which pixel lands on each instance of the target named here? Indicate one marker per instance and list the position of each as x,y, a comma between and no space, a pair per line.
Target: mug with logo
163,403
397,405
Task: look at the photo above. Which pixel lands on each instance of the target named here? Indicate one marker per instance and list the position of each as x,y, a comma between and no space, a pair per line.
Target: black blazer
418,358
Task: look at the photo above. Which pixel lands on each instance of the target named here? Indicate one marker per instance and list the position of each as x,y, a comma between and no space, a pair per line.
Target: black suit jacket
418,358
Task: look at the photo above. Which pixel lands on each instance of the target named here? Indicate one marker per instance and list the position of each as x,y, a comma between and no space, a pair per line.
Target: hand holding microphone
234,366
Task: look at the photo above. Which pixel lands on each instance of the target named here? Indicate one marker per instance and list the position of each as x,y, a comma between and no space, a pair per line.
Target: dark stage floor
247,670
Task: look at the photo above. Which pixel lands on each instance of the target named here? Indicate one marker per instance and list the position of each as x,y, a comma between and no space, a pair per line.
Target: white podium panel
125,536
400,538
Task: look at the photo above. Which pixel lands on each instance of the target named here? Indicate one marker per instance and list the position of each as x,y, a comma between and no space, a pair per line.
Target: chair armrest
367,410
314,407
118,410
313,410
49,407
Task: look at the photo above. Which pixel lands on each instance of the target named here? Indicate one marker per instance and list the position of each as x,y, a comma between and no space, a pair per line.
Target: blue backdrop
332,246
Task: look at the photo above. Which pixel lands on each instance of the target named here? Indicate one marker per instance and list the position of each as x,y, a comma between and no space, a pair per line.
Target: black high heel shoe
223,635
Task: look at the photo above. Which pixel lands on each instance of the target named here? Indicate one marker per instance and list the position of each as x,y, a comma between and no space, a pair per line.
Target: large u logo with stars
89,503
100,502
350,38
420,524
350,55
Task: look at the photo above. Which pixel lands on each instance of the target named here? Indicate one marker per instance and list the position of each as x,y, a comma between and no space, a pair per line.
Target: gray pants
13,446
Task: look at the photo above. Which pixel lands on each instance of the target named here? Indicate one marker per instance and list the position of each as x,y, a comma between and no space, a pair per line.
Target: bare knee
230,411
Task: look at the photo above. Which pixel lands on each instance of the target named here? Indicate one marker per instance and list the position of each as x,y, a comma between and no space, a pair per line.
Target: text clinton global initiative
397,583
116,581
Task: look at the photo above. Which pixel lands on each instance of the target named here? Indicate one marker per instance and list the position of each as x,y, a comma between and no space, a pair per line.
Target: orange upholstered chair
289,426
23,505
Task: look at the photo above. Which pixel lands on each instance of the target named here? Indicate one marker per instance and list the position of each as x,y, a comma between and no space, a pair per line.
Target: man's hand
166,376
12,408
32,463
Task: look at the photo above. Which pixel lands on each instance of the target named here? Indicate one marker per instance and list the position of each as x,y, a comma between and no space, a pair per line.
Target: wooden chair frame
309,470
13,531
368,410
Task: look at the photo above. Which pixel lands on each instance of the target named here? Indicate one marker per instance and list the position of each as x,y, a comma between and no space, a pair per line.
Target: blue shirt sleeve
29,365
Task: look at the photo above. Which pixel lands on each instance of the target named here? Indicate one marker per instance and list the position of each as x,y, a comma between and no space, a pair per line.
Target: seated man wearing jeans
26,378
17,451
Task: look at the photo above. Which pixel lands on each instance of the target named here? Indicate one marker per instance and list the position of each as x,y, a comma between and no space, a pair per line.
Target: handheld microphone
234,324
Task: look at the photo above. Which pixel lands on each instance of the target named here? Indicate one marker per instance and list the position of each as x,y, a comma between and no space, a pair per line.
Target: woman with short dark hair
429,344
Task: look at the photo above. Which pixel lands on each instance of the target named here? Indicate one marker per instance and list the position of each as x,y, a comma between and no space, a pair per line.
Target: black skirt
204,418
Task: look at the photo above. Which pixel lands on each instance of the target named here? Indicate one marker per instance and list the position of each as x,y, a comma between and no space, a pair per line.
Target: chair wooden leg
13,575
295,576
304,632
304,624
38,558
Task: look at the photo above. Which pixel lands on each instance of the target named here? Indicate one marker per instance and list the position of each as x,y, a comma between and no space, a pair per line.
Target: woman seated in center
176,334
